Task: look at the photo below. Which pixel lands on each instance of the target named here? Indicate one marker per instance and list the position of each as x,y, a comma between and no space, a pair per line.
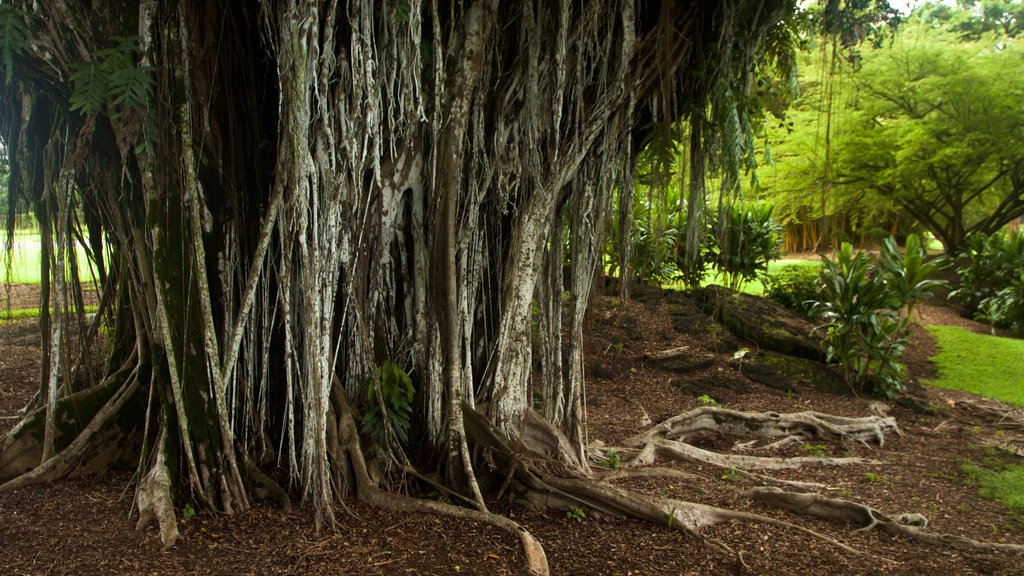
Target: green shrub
753,241
991,274
866,304
794,286
396,394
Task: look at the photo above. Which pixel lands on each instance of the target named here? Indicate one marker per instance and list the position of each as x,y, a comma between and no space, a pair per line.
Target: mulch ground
85,525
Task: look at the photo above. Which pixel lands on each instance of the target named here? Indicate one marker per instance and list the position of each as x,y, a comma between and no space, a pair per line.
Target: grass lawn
24,259
980,364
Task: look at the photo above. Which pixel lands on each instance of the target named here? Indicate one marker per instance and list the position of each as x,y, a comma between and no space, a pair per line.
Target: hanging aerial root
912,526
867,430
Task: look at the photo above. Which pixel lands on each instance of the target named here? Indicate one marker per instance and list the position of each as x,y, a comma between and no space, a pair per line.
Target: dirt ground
85,525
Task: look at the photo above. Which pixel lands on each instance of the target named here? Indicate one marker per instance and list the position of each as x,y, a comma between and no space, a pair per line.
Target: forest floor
85,525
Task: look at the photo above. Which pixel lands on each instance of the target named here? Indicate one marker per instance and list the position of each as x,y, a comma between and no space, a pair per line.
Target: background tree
937,131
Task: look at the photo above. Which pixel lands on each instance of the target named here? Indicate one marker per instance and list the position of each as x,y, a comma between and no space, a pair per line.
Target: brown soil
84,525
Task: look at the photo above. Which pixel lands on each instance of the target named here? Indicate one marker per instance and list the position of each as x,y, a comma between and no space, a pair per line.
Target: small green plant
815,450
396,394
188,512
795,286
612,460
992,279
731,474
874,478
576,514
708,400
752,240
866,306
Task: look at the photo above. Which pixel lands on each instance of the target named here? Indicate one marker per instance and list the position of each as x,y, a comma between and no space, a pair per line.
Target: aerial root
911,526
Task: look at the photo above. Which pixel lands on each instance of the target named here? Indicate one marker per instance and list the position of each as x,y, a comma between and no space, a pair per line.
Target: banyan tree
344,248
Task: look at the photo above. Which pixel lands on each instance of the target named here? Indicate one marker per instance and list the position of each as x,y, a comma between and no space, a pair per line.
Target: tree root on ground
93,438
683,452
911,526
155,500
867,430
367,491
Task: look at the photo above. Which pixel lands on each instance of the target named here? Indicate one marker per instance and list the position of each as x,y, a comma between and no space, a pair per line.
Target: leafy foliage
13,37
753,240
991,276
113,75
794,286
865,304
396,394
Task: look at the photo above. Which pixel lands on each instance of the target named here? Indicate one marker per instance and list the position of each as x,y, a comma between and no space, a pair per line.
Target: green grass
24,259
21,313
980,364
754,287
1004,484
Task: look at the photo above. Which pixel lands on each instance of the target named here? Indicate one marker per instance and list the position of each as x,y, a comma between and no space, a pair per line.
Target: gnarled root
367,491
912,526
19,447
867,430
155,501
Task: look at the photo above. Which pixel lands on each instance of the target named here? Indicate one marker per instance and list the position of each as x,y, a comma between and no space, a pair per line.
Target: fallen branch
666,354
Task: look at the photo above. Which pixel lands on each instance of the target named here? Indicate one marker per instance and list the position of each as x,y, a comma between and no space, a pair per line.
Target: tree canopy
925,130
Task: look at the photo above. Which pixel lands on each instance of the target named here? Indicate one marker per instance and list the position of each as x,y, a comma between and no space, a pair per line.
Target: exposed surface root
683,452
367,491
155,502
90,438
867,430
912,526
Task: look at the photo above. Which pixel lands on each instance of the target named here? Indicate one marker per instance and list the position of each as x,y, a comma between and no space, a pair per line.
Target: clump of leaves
708,400
992,279
752,241
13,37
396,394
874,478
731,475
794,286
612,460
866,305
576,514
815,450
114,75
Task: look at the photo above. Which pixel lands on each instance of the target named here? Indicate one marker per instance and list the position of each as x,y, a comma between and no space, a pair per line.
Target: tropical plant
991,273
751,241
795,286
393,408
865,304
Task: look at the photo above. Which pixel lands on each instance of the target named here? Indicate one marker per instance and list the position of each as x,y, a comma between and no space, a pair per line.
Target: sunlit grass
981,364
21,266
22,313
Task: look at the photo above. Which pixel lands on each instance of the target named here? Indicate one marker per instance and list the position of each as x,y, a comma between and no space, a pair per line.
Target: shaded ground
83,526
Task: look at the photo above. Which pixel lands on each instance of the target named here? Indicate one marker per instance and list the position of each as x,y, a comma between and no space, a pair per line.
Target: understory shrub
991,273
794,286
866,305
753,240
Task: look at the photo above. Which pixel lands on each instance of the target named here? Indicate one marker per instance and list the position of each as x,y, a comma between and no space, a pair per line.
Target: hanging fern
13,37
113,75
